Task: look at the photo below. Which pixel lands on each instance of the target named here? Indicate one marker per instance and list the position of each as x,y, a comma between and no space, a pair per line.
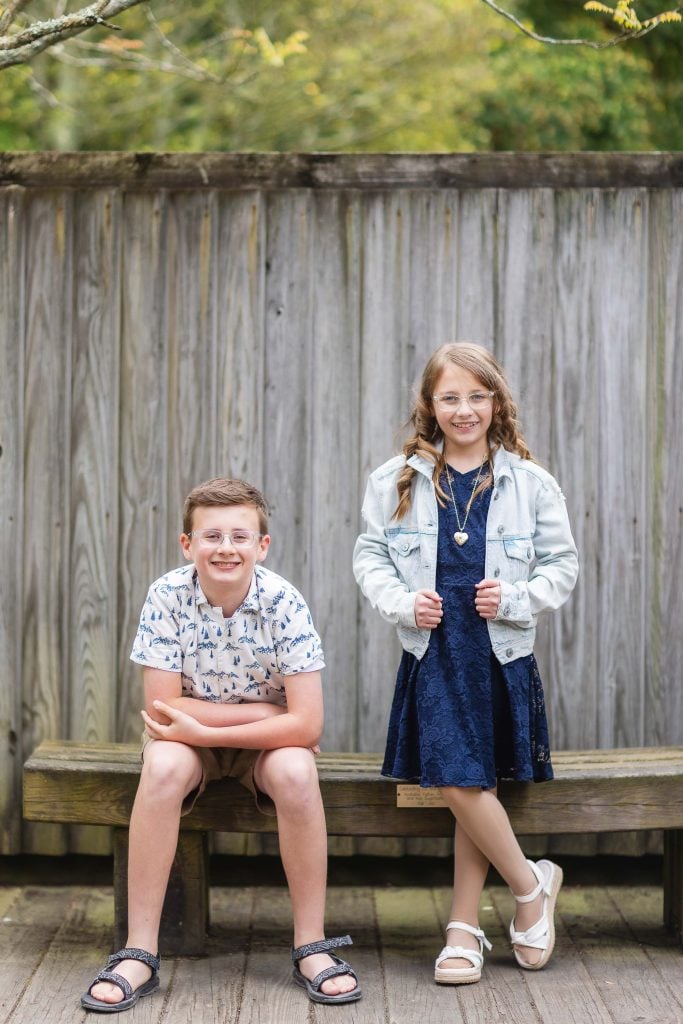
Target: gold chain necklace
460,536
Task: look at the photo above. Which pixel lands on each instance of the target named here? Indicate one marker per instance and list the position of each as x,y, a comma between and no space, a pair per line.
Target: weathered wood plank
209,990
94,480
620,968
78,951
640,909
572,395
12,342
622,528
238,286
153,171
358,802
46,504
475,279
334,493
143,471
664,555
269,996
288,341
384,403
190,401
27,930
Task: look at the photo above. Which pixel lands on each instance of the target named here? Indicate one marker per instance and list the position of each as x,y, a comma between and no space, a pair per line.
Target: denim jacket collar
501,463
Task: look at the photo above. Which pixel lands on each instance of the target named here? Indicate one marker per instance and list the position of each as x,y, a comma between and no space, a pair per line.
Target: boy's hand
182,728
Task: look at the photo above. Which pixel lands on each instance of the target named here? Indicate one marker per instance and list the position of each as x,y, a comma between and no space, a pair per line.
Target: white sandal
461,975
542,934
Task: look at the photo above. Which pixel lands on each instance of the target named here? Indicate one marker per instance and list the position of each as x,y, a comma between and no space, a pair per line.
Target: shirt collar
251,602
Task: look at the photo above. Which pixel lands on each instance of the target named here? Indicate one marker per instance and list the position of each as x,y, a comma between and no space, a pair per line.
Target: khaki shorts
221,763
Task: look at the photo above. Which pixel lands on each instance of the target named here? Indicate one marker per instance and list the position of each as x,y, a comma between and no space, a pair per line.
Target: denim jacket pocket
519,552
404,550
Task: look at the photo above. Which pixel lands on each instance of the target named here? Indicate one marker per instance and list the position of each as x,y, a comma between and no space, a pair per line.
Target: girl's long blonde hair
426,433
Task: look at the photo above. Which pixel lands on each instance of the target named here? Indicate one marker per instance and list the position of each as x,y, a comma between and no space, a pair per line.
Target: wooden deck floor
614,963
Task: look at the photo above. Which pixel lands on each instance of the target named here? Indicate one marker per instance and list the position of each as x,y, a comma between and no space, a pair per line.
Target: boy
232,686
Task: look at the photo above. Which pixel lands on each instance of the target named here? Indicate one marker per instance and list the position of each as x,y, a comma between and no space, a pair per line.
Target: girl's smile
465,431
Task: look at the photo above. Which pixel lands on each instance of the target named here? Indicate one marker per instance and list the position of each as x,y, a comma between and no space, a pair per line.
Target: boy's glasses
236,538
476,400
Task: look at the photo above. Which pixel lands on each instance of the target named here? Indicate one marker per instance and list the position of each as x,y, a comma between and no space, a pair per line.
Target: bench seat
593,791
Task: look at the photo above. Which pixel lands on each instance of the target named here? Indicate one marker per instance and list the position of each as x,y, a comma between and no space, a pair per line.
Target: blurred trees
425,75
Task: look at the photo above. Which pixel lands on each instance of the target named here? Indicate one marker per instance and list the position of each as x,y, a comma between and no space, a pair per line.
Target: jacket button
496,572
506,610
509,652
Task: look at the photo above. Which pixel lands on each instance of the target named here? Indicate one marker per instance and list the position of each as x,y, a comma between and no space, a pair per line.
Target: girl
466,541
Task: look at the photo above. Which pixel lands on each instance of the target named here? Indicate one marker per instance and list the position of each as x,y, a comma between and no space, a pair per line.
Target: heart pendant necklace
460,537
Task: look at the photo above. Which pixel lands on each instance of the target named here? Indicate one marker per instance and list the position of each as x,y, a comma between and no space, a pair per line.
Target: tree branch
620,37
20,47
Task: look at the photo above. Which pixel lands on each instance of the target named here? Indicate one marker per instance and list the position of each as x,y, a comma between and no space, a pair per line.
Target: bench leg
185,917
673,881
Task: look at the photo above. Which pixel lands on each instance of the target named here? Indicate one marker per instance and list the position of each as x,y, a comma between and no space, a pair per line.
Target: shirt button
501,529
496,572
506,611
508,653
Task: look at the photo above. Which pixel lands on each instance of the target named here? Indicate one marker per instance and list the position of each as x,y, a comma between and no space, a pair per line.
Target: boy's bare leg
481,815
170,771
290,778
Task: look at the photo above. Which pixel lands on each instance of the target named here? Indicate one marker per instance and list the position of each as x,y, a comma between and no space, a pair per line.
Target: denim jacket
529,548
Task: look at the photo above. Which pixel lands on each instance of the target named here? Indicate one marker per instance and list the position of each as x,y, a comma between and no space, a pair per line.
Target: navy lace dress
459,718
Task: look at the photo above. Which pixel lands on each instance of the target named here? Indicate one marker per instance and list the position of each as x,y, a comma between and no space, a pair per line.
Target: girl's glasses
236,538
476,400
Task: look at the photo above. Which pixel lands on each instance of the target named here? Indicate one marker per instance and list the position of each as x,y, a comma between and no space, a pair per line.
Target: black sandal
340,967
130,997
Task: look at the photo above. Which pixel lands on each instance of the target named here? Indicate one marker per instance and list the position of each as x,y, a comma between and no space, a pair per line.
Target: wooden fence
169,318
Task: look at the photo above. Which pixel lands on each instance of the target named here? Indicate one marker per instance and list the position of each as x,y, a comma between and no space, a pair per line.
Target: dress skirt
459,717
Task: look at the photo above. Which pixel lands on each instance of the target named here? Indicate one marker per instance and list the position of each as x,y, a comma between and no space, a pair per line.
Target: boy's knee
170,768
291,776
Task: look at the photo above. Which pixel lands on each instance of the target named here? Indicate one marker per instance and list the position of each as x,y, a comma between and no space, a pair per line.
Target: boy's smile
225,569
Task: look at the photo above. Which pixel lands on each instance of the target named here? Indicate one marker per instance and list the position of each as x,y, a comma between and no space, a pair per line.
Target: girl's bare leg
469,875
481,815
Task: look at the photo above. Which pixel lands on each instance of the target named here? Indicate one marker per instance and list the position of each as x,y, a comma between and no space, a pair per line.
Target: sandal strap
115,979
475,956
536,937
133,953
477,932
341,967
541,887
321,946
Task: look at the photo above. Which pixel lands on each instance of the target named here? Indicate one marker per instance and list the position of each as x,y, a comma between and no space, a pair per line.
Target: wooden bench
594,791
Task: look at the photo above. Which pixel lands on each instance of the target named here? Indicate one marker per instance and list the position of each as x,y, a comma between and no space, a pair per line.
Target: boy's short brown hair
225,491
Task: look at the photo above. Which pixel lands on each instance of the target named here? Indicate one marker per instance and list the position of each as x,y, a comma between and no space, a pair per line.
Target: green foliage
422,75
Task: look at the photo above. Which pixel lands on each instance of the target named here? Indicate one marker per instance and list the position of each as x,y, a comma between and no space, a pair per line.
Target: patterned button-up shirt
242,658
